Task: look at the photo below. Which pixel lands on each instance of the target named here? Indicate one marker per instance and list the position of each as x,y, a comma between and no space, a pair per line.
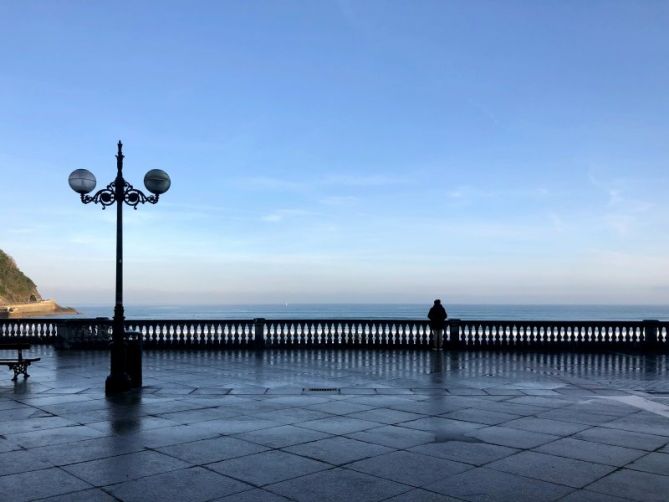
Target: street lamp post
119,191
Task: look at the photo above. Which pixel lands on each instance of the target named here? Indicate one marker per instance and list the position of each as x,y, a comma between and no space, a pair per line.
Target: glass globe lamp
157,181
82,181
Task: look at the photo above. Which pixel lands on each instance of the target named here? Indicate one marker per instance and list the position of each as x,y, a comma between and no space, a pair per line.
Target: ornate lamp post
119,191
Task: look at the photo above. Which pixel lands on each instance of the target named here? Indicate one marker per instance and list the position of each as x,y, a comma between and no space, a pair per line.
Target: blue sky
342,151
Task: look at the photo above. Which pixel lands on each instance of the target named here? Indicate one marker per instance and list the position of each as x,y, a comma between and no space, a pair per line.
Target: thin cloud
359,180
339,200
270,183
467,193
283,214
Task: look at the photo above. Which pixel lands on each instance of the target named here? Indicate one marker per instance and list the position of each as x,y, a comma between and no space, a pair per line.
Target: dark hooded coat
437,316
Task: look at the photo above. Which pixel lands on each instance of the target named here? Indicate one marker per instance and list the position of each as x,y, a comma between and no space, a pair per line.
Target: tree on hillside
15,286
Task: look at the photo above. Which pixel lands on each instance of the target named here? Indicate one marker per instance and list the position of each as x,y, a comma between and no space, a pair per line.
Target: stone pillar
454,338
650,329
259,333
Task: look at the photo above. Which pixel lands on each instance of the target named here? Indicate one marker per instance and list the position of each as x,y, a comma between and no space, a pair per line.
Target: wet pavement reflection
340,425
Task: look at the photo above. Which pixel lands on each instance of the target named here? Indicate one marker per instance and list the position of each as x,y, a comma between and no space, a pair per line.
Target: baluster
207,336
337,333
150,335
233,335
283,339
326,334
297,332
330,330
271,338
269,335
306,334
196,334
188,334
508,329
322,337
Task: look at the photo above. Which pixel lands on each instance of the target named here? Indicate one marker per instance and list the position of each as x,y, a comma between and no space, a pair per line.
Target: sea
381,311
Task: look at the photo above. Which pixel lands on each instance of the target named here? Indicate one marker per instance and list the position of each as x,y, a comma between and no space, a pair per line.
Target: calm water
384,311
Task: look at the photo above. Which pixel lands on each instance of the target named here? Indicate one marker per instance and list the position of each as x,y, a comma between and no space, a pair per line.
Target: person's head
437,301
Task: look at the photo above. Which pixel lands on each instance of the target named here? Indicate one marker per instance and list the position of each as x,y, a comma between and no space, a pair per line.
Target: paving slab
394,436
122,468
657,463
282,436
92,495
469,452
207,451
339,485
634,485
386,416
39,484
192,485
546,426
483,484
339,425
590,496
559,470
486,417
616,437
253,495
591,452
268,467
338,450
18,461
420,495
647,422
409,468
513,438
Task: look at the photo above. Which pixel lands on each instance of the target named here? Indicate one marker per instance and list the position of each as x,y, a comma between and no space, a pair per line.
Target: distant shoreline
33,309
408,311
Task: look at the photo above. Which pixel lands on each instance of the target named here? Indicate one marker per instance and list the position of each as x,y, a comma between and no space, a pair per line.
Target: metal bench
18,364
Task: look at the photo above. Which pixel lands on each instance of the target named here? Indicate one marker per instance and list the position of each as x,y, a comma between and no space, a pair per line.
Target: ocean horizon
548,312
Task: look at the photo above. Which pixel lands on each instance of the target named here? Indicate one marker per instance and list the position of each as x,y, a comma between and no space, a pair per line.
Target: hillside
15,286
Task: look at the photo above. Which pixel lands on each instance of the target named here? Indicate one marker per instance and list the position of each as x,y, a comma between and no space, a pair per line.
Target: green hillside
15,287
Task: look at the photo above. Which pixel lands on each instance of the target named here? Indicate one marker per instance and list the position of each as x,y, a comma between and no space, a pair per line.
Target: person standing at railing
437,316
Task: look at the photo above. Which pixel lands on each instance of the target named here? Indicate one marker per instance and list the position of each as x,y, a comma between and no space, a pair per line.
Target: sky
341,151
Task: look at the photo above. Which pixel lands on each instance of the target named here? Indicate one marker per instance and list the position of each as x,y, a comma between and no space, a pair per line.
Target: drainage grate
322,389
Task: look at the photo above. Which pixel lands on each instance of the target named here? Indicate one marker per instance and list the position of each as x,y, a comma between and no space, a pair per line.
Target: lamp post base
117,383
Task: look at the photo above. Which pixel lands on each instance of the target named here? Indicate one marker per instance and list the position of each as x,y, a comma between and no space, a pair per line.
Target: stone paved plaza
320,425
